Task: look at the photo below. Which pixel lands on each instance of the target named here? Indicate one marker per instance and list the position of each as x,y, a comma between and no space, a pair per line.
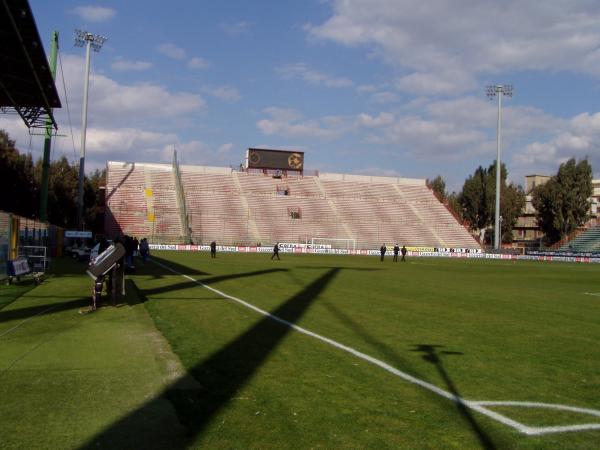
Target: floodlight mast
91,41
499,91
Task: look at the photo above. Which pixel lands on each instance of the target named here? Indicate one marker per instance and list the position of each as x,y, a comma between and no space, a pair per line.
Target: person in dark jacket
396,250
144,249
213,249
276,251
404,251
129,251
383,249
103,245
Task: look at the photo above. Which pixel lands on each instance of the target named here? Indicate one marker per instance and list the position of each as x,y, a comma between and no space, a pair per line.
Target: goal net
348,244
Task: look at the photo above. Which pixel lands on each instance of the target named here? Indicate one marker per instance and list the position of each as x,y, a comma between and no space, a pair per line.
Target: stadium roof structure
26,82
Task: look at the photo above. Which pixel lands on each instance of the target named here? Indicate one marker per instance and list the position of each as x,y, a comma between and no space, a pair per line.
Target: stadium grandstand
585,242
168,203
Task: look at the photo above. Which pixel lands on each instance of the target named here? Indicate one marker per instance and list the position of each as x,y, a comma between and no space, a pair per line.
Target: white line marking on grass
595,294
27,320
479,406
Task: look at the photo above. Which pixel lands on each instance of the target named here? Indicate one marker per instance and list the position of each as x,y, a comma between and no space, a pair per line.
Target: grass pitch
481,330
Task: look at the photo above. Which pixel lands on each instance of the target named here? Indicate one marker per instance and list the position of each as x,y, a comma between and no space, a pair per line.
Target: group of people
133,248
397,250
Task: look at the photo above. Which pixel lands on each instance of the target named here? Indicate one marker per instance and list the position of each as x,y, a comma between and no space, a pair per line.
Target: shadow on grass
358,269
220,376
10,293
144,293
432,355
156,272
65,266
42,310
429,354
387,351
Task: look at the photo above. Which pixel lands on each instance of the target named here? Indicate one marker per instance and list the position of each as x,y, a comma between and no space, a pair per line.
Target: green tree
473,200
478,201
512,204
21,179
562,203
438,186
94,209
17,181
454,204
62,193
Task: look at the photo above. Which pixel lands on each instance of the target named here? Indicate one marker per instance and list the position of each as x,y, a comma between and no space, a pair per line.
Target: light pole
95,42
499,91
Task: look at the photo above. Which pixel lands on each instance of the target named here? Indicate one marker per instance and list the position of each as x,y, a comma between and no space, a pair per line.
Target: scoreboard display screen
275,159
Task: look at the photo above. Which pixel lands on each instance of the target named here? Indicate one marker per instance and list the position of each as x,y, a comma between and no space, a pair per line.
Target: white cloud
127,141
368,121
463,130
366,89
19,133
481,114
123,105
94,13
198,152
311,76
225,149
124,121
131,144
440,83
198,63
579,138
141,100
429,138
460,129
191,152
126,64
225,93
384,97
171,51
236,28
446,44
288,123
378,94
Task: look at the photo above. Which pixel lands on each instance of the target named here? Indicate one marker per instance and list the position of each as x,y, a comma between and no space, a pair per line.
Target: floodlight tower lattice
498,90
90,41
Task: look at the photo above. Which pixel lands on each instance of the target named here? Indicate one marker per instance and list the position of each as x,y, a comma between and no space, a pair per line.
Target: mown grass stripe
27,320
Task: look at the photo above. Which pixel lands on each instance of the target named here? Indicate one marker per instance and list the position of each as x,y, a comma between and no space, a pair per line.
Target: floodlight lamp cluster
505,89
95,40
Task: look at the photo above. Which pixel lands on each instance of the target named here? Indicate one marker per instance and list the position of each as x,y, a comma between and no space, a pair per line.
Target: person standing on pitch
383,249
404,251
144,249
396,250
213,249
276,252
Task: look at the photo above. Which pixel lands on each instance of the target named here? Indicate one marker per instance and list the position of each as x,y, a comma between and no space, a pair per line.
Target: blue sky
382,87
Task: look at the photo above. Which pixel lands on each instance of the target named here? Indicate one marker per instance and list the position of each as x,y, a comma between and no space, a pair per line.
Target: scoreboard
274,159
